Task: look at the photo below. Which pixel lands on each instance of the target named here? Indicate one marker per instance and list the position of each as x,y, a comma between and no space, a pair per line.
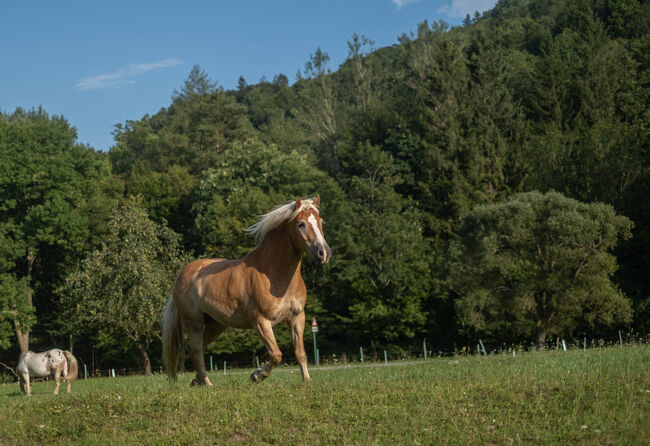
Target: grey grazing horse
58,364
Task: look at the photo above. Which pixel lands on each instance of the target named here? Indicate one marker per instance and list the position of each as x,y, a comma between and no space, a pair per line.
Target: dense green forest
483,181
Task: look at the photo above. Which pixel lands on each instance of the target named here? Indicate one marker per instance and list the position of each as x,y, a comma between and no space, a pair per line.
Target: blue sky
102,63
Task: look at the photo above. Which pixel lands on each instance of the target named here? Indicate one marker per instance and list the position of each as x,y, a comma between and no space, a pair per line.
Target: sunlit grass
599,396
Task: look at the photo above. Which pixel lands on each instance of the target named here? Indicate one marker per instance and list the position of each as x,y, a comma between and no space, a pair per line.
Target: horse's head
307,231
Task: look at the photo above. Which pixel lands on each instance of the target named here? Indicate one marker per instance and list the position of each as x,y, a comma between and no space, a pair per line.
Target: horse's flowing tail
73,368
172,339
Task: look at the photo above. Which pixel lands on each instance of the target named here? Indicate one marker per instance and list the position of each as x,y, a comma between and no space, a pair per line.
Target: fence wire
372,355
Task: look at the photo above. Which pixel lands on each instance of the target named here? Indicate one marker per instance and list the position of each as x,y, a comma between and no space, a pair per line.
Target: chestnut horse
258,291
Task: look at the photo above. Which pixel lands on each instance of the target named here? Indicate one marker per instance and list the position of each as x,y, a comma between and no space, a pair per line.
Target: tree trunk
144,357
541,336
23,338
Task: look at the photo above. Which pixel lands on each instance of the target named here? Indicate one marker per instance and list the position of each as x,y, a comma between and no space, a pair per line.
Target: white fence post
224,367
385,358
483,347
361,354
620,338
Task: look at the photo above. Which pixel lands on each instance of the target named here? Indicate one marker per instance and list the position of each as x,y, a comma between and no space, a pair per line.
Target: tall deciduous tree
47,183
385,257
121,289
538,263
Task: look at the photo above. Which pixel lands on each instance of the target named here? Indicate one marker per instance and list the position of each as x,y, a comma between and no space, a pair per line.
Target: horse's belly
38,370
226,315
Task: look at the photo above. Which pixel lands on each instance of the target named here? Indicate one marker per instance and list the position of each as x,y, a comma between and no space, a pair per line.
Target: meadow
597,396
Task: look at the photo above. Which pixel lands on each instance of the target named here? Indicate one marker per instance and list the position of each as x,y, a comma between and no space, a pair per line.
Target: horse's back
196,273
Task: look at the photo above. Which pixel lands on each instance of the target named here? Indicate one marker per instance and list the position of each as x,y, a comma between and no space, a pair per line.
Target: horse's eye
302,225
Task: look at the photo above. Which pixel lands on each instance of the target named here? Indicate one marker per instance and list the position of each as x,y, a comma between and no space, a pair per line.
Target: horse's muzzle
321,252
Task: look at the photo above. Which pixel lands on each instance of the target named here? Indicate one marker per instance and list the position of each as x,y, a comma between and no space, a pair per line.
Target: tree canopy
538,263
419,150
121,289
49,190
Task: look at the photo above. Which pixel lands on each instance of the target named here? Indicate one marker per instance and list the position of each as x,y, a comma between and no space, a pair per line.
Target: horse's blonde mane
278,215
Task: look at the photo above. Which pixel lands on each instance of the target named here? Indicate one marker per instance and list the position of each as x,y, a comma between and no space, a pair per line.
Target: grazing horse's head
307,230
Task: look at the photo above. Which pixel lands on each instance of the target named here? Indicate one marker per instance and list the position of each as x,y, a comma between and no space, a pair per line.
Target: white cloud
123,76
460,8
401,3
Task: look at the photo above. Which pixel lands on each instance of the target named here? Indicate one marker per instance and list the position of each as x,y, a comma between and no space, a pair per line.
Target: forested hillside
408,147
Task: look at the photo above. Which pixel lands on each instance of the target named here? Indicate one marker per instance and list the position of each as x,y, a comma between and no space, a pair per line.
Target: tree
197,84
363,75
318,111
249,179
538,263
165,195
48,184
121,289
385,266
193,132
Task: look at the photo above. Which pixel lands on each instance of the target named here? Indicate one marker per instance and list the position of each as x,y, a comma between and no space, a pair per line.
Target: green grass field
598,396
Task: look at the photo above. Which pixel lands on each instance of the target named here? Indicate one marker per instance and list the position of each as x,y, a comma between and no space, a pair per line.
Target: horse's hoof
256,376
201,382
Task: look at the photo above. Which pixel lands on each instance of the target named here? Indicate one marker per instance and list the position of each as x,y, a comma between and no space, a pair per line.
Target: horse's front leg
265,330
297,326
24,384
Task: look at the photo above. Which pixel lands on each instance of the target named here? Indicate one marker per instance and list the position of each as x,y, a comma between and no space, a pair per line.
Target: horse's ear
317,201
298,204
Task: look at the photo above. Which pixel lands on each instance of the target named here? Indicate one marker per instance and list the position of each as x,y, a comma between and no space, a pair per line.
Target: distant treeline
484,180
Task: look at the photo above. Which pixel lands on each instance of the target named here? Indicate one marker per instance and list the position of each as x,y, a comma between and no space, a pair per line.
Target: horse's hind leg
195,340
265,330
57,380
211,330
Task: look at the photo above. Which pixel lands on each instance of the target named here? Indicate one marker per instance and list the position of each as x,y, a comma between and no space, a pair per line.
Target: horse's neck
276,256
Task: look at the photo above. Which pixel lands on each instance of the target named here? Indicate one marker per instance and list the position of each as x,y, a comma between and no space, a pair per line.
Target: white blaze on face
314,225
319,235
